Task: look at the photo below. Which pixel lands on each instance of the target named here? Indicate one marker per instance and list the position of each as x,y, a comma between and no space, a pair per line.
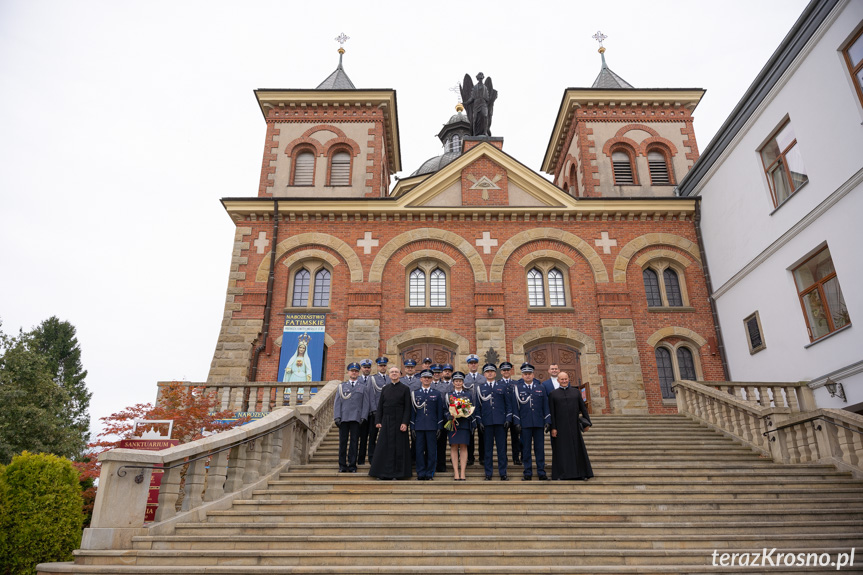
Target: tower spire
607,78
338,80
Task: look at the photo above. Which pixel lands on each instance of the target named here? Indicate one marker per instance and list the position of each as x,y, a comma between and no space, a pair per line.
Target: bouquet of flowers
458,407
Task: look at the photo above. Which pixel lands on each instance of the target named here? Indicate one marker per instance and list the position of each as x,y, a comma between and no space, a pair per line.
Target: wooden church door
567,358
438,353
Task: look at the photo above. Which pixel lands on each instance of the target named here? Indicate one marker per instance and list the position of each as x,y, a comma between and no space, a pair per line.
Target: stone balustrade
204,475
258,396
779,420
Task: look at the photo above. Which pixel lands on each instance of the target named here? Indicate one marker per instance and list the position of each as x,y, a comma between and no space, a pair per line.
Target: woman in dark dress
566,405
392,453
459,436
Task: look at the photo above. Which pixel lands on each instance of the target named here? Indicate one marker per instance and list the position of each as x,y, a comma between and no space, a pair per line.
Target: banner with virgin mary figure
301,359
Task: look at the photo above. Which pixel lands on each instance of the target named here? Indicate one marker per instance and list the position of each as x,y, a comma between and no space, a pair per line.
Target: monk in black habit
392,452
569,460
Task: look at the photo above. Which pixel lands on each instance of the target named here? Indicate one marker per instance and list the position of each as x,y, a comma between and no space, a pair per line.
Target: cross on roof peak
599,37
341,39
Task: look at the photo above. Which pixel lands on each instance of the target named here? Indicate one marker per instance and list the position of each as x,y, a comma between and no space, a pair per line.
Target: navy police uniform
514,436
530,416
373,388
426,423
494,414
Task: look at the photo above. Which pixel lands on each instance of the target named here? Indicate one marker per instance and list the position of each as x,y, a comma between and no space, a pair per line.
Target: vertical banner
301,360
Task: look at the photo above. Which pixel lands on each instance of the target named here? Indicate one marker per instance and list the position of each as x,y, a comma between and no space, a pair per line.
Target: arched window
666,372
624,172
304,169
456,144
418,288
651,288
664,284
573,180
535,291
657,162
311,285
340,169
437,288
301,287
322,289
685,364
556,291
672,288
427,285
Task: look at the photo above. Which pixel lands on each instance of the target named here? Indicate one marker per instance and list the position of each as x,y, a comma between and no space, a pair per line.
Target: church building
598,269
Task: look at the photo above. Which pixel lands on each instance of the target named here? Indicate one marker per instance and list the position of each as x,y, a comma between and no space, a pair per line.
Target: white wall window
820,295
783,164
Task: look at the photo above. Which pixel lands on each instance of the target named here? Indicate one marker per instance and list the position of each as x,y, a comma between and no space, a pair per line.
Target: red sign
156,477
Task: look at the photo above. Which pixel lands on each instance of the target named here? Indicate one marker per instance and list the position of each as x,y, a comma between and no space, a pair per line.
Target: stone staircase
668,492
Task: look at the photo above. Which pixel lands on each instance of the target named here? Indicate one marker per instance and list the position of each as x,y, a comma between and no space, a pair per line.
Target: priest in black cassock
392,453
569,460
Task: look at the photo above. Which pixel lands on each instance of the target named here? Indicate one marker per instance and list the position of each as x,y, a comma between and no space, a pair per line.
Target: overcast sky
122,123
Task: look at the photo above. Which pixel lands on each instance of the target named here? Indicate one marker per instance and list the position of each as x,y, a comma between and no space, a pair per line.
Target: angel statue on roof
478,100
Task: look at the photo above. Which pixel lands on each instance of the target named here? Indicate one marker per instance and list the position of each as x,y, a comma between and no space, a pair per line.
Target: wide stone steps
667,494
514,556
541,540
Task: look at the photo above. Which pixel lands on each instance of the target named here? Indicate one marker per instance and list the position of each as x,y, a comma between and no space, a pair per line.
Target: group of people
400,418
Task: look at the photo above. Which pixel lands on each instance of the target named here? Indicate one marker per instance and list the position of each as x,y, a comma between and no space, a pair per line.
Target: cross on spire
457,90
599,37
341,39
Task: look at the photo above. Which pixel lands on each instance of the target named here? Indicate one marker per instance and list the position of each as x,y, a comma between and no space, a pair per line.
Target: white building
782,212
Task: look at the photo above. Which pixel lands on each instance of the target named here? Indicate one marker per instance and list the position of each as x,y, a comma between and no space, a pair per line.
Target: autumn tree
192,409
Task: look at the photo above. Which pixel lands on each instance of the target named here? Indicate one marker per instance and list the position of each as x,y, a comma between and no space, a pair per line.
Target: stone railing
204,475
780,421
258,396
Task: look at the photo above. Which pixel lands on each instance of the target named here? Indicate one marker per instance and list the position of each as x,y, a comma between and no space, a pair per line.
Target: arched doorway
566,357
419,351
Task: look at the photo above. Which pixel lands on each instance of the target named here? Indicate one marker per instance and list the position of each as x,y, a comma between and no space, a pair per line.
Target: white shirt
554,382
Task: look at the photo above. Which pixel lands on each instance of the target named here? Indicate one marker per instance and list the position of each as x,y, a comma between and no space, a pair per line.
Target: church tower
615,140
334,141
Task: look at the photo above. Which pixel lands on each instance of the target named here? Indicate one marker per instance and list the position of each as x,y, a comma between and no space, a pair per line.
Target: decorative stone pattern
674,331
310,254
646,257
641,242
427,254
546,254
401,240
518,240
311,239
362,339
236,336
490,334
623,367
421,334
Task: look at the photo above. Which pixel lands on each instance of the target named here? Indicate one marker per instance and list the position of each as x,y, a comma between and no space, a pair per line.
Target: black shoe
543,478
504,478
526,478
488,477
352,470
343,470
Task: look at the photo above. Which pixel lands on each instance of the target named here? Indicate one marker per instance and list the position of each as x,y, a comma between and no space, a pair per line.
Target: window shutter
340,169
622,169
658,169
304,169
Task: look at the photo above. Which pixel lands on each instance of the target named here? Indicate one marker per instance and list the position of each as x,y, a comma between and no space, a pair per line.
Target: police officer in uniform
514,437
411,379
530,417
350,410
427,420
472,379
374,386
366,379
493,413
444,388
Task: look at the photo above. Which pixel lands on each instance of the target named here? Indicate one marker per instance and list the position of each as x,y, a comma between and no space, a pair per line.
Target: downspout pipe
720,344
271,280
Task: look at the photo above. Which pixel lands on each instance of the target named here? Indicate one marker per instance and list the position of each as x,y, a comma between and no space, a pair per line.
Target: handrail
140,477
807,420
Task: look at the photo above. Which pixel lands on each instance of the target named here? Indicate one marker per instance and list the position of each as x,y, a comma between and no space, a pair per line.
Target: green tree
33,415
40,512
55,341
